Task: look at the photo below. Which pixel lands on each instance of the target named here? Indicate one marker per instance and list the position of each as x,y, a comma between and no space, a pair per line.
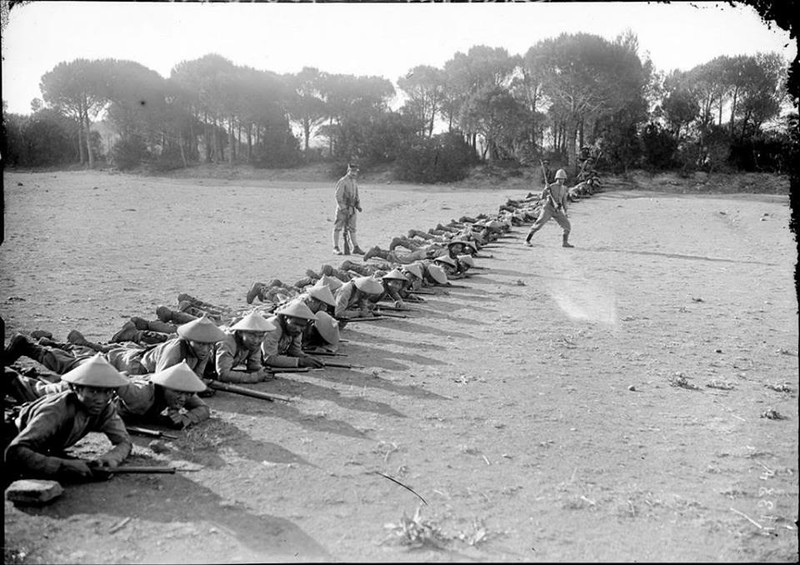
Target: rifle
326,353
217,385
547,186
104,473
388,315
274,370
366,319
346,238
345,366
150,433
451,285
394,308
420,291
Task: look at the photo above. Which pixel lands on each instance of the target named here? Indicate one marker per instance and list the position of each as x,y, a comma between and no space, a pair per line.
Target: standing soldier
347,202
555,207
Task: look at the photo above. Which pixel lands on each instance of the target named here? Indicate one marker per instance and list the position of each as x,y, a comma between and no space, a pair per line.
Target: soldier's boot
160,327
76,338
149,337
529,236
127,333
418,233
37,334
372,252
190,313
361,270
18,346
467,220
166,314
254,292
196,302
326,270
304,282
565,240
395,242
356,249
336,236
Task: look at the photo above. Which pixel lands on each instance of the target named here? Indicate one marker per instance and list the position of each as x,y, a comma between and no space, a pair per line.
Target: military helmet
178,377
561,174
202,330
331,282
96,372
253,322
322,292
328,327
413,268
296,309
446,259
467,260
395,274
370,285
437,274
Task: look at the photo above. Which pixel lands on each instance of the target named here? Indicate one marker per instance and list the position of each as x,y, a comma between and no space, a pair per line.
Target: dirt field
600,403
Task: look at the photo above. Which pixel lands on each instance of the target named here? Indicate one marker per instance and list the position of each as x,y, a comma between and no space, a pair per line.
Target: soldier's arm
114,429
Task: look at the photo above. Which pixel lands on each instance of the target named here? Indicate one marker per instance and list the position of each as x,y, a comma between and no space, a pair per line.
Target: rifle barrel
365,319
247,391
140,469
344,365
151,433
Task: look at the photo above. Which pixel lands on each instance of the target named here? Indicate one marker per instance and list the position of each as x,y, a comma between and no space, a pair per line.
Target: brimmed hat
467,260
322,292
178,377
96,372
369,285
414,268
395,274
446,259
201,329
456,242
471,244
331,282
437,274
328,327
253,322
296,309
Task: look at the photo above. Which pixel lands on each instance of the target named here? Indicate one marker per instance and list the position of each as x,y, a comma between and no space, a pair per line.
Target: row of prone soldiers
157,371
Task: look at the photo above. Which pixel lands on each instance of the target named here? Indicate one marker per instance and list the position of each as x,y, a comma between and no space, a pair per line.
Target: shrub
129,152
442,158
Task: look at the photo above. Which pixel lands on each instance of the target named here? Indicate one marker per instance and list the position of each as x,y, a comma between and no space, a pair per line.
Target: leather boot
150,337
565,241
18,346
127,333
254,292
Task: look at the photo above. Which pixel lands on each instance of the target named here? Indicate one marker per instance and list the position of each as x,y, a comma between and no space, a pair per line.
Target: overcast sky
381,39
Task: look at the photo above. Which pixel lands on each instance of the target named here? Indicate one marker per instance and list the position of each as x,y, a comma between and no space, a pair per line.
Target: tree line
485,105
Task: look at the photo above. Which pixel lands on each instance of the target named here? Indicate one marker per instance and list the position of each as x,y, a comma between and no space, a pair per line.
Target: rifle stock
247,391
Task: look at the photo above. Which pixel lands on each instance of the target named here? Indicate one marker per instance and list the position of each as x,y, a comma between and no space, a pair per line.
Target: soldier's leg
351,228
563,221
544,216
338,226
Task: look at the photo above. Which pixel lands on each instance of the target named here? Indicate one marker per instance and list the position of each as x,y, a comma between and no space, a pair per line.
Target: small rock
30,491
632,388
20,184
717,351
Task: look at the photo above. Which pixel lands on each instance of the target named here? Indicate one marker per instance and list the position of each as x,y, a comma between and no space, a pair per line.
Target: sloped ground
600,403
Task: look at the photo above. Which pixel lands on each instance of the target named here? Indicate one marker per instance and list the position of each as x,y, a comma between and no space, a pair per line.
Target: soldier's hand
101,469
175,419
399,304
311,362
76,468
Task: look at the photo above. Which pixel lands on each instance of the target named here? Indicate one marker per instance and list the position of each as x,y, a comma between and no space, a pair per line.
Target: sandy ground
598,403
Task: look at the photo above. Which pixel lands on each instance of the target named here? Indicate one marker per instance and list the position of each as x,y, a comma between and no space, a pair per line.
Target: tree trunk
231,141
89,151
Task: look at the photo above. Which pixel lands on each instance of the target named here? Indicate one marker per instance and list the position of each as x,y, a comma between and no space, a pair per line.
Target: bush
659,147
277,149
128,153
442,158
